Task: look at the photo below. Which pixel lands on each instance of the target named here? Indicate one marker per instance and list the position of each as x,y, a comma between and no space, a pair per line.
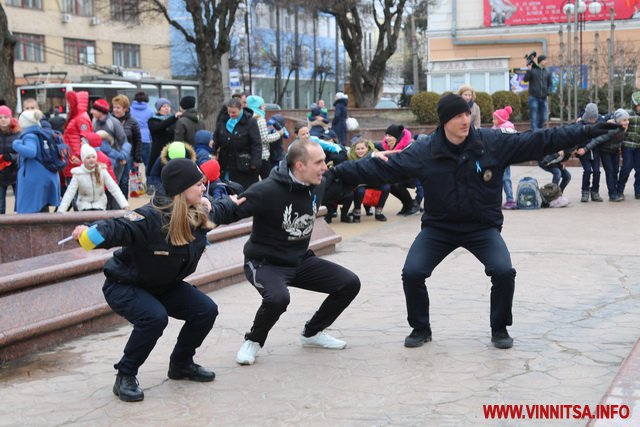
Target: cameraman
539,79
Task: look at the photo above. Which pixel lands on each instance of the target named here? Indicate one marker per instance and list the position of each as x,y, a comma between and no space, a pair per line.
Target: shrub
524,105
485,103
424,106
502,98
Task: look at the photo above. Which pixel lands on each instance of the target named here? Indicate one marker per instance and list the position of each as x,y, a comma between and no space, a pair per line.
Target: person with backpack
9,131
461,171
38,187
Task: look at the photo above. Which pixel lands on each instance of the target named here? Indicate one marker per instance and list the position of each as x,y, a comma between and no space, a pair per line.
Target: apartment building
86,37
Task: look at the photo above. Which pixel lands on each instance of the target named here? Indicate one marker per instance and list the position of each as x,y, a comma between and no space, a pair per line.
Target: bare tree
323,69
212,22
367,83
7,75
272,59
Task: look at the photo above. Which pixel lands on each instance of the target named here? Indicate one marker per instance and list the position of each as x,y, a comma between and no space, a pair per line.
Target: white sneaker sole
244,361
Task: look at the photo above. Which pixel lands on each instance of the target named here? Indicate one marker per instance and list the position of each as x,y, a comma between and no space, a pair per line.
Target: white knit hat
29,118
87,150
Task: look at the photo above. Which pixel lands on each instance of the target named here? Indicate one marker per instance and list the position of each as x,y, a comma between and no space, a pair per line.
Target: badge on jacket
133,216
487,175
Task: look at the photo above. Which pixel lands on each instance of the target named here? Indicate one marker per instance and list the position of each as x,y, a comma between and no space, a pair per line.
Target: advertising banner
530,12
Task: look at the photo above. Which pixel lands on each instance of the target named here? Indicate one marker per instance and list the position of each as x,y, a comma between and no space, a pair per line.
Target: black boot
356,215
501,339
191,372
344,215
127,388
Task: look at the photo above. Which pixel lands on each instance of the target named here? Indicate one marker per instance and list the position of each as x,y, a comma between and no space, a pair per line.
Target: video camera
531,58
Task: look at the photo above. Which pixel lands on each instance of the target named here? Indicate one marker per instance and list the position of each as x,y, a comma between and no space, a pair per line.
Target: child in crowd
360,149
610,157
203,146
501,121
396,139
173,150
9,131
591,161
276,149
631,149
119,157
89,181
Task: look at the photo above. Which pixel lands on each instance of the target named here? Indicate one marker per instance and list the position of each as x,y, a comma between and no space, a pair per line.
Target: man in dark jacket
539,79
189,122
461,172
277,254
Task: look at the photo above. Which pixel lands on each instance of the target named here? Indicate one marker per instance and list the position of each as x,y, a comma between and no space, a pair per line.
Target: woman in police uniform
161,244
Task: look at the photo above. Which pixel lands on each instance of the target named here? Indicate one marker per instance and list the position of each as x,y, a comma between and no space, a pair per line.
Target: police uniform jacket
147,259
462,189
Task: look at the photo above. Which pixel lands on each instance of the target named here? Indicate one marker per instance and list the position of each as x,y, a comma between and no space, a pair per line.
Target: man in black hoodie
189,123
277,254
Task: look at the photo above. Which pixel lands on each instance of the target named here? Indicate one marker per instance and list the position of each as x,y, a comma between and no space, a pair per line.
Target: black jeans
591,166
313,274
149,315
432,245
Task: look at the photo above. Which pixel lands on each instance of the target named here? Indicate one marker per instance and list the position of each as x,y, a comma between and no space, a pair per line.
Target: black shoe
356,216
381,217
403,211
637,196
191,372
412,210
417,337
501,339
127,388
368,211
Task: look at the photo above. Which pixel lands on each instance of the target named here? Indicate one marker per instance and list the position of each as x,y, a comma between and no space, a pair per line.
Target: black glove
602,128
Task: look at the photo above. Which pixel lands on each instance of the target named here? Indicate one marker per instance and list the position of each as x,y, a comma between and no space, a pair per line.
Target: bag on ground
528,194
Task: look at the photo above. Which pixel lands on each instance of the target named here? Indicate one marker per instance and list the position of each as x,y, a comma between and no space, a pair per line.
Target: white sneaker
247,353
323,340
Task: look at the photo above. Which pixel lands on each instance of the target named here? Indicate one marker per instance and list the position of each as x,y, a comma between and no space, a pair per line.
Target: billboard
530,12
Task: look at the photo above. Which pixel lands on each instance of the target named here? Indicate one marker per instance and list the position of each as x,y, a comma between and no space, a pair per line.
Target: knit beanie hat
160,102
177,150
211,169
450,106
5,111
395,131
254,102
502,115
101,105
590,112
620,114
29,118
87,150
187,102
178,175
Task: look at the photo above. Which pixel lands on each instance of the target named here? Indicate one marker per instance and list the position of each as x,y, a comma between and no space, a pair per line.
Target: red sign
530,12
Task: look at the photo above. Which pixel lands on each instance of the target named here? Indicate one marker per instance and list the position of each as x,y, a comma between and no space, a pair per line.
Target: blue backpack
528,194
54,152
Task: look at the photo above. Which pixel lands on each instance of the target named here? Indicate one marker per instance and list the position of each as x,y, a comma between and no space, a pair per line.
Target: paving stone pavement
576,312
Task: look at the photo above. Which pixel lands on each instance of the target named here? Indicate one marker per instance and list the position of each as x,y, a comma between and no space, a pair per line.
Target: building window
477,81
29,47
77,51
126,55
26,4
78,7
497,82
124,10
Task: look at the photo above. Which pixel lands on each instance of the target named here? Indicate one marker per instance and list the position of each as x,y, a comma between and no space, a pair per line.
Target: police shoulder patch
133,216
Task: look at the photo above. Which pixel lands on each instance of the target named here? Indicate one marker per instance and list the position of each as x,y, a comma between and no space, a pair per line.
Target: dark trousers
313,274
591,166
265,169
399,190
630,160
561,175
244,178
611,166
149,315
432,245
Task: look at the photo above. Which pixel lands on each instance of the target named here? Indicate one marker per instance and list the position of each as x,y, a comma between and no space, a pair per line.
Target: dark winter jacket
162,131
339,122
132,131
187,126
241,149
147,259
284,213
462,191
9,173
539,80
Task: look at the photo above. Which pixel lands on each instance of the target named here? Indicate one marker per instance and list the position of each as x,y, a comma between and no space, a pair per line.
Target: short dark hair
298,151
234,103
141,96
298,126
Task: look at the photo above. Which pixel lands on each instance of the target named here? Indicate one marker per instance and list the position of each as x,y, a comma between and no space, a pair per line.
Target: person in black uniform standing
277,254
461,171
162,243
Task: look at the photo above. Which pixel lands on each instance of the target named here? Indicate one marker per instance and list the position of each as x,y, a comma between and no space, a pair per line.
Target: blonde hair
121,100
182,219
465,88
